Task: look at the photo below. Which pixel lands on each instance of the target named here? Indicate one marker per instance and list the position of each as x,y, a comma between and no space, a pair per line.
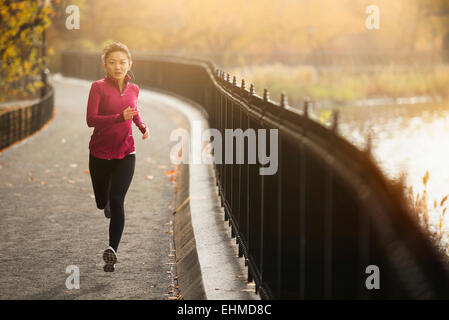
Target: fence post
278,289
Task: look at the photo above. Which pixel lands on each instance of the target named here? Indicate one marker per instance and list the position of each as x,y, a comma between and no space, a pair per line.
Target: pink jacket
112,137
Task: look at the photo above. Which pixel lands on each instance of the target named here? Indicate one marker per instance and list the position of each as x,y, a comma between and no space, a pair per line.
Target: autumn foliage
22,24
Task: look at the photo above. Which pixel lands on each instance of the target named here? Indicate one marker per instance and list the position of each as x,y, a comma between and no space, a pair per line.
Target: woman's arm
92,117
139,123
138,119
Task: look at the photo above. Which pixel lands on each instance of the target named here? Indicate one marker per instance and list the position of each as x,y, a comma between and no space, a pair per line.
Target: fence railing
19,123
317,227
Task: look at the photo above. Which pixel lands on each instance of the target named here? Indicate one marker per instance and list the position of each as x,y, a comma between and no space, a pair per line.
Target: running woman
111,106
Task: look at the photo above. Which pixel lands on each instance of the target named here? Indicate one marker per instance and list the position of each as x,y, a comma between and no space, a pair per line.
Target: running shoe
110,257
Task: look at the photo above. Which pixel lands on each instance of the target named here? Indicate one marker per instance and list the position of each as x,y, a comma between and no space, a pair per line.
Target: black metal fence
19,123
313,229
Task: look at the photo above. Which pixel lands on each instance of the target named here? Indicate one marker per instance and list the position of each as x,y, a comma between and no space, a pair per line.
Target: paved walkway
48,217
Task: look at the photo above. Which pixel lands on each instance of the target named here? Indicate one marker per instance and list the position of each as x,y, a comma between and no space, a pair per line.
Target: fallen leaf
86,171
169,172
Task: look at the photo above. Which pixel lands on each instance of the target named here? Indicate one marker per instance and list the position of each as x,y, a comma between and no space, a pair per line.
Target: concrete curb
208,265
190,279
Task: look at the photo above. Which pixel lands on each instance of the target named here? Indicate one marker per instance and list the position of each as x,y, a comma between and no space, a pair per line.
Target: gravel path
49,221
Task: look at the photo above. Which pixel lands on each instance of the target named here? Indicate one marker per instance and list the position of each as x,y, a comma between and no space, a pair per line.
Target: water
410,139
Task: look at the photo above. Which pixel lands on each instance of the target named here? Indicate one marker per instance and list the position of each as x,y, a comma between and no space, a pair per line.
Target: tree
22,24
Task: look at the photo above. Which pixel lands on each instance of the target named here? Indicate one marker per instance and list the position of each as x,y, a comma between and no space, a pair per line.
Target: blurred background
391,81
320,48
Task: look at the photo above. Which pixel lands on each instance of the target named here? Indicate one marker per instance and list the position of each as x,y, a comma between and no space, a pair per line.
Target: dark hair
113,47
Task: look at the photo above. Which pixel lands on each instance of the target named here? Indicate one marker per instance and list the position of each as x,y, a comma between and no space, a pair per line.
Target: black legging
110,181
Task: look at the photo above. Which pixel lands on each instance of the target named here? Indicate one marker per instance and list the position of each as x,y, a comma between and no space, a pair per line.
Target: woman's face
117,64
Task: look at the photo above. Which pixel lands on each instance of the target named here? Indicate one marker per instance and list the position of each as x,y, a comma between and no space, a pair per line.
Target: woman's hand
146,134
129,113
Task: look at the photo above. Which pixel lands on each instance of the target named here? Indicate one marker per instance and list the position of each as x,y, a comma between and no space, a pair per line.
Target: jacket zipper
124,89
